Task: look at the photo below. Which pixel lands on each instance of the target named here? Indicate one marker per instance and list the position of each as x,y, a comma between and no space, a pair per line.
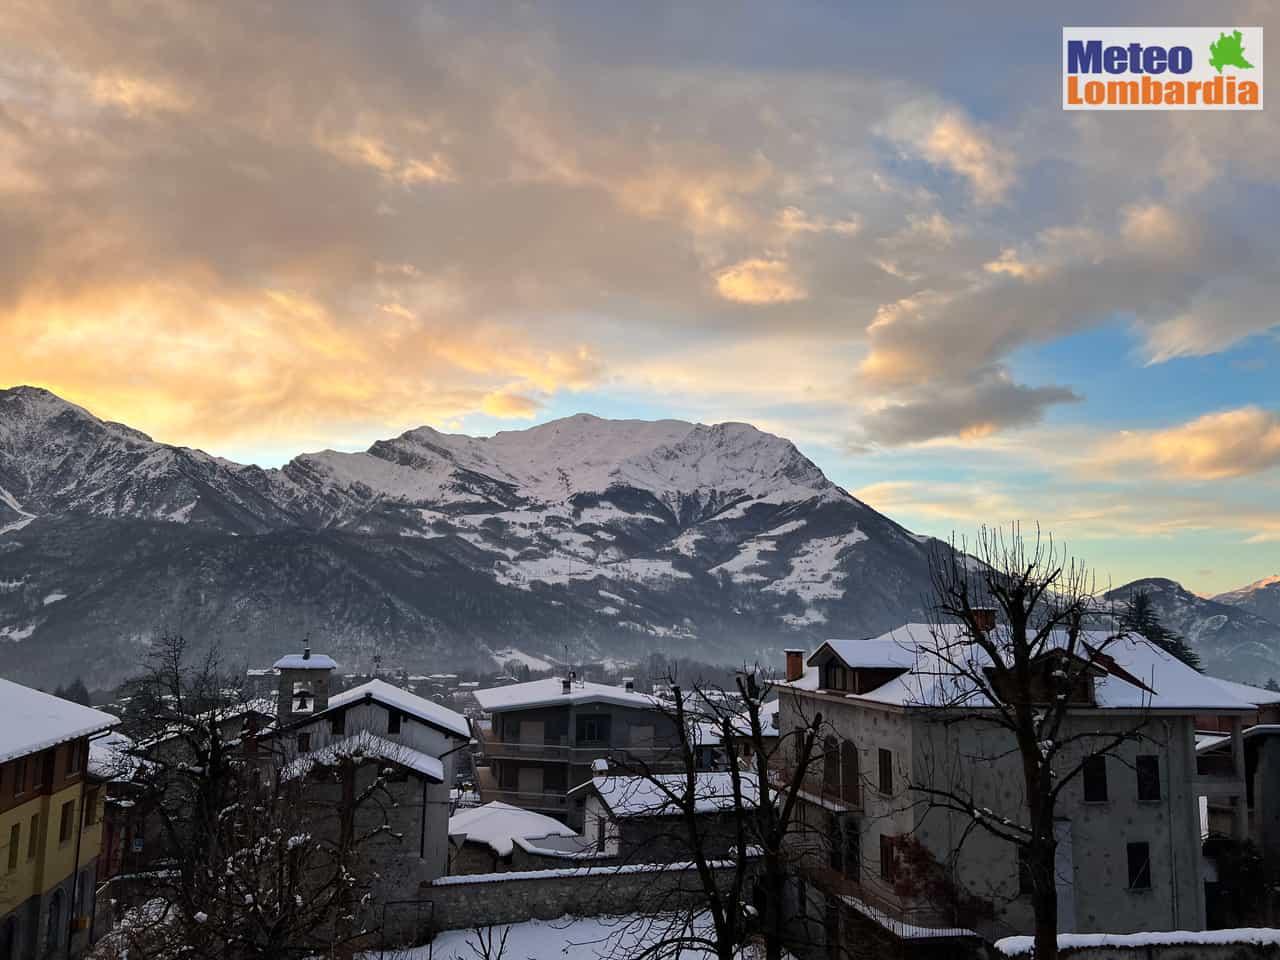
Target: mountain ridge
611,536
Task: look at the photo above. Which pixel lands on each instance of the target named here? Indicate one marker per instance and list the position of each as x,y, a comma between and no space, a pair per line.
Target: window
798,745
338,724
33,836
888,859
852,851
831,766
1148,777
1095,778
834,677
1139,866
20,776
849,780
393,721
15,841
304,742
68,818
73,758
886,771
594,730
1026,883
91,808
44,771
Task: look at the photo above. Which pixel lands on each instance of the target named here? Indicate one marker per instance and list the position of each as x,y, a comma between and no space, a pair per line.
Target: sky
263,229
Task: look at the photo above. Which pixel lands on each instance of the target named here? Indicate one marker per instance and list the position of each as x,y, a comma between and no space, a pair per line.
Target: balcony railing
533,801
583,754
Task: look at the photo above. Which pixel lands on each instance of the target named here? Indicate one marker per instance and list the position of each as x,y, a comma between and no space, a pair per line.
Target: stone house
635,820
547,733
410,743
1129,840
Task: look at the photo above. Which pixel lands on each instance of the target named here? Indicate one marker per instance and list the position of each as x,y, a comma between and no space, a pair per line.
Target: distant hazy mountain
1261,598
1233,640
597,536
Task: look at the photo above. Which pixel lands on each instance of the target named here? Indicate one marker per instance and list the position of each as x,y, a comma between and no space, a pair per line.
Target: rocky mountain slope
583,537
1232,640
1261,598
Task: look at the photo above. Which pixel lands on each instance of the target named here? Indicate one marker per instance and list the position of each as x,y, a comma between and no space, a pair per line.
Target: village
859,799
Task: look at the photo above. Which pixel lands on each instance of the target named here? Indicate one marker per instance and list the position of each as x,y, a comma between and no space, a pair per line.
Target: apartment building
50,823
1129,855
546,734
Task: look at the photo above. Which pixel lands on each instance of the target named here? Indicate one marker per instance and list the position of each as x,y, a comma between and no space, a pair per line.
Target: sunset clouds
282,226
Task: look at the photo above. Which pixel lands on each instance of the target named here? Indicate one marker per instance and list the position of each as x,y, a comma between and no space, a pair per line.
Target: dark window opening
849,776
1026,883
888,859
64,825
1094,773
852,852
304,742
593,729
338,724
393,721
886,771
831,766
1139,866
1148,766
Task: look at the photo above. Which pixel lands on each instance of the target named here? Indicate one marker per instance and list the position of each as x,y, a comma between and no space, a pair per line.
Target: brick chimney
984,618
795,664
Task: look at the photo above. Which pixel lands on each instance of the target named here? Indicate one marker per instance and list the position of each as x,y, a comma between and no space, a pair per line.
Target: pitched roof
1142,676
550,692
1255,695
31,720
415,706
365,745
499,825
650,796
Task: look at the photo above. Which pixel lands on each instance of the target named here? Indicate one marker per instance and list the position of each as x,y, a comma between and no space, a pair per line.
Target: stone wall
481,900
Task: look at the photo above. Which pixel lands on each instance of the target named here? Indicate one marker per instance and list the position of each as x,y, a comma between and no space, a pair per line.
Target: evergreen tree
75,691
1273,686
1139,616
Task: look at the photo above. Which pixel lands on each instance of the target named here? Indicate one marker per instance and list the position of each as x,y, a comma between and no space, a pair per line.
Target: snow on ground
564,569
54,597
810,616
571,938
814,574
17,633
502,657
1022,946
748,558
687,542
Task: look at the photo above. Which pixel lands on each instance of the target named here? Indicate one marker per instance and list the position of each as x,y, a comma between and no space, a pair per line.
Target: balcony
579,754
529,801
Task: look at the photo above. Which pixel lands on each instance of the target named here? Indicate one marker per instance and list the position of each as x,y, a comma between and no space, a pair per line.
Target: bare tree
735,830
247,865
1017,639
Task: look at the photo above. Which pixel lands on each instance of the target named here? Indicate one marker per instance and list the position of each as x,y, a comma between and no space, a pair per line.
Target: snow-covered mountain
1261,598
609,537
1232,640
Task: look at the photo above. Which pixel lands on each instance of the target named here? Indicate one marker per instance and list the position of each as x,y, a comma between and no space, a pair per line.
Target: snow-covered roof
1163,681
881,652
31,720
1255,695
550,692
110,757
367,746
499,825
708,732
415,706
648,796
305,661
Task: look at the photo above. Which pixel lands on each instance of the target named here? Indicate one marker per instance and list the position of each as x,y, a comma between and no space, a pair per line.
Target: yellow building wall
54,861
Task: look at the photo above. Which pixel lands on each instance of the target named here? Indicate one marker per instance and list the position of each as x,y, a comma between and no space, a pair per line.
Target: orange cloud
759,281
1217,446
